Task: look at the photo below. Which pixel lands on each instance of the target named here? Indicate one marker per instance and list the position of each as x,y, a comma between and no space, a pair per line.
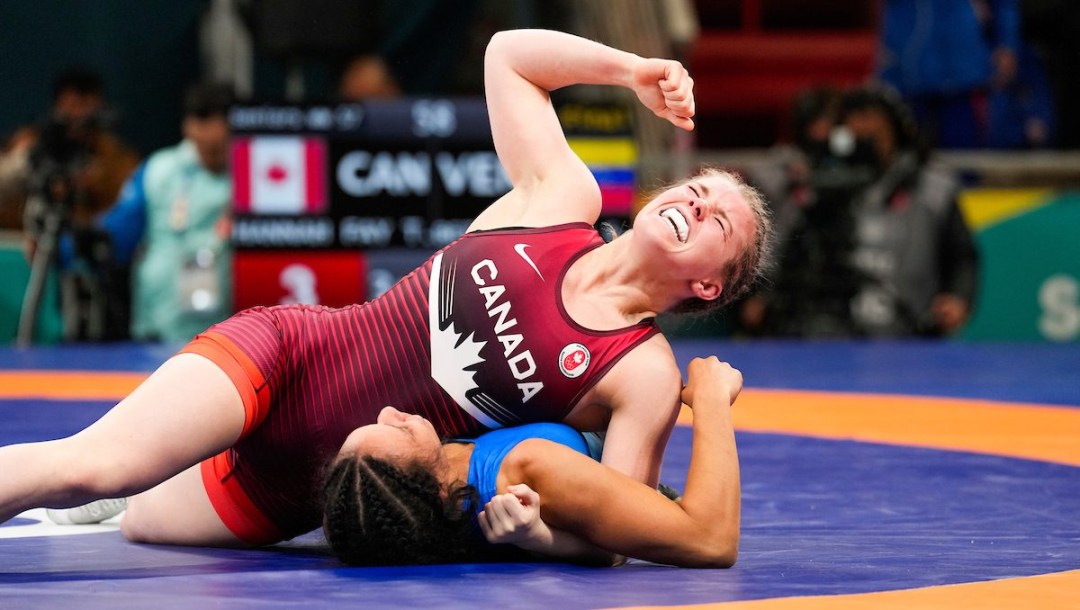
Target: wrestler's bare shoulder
648,369
651,363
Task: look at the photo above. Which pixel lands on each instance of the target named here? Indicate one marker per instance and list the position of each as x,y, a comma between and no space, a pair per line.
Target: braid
379,514
342,514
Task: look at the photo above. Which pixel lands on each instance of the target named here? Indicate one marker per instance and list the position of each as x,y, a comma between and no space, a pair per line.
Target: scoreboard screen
381,173
320,186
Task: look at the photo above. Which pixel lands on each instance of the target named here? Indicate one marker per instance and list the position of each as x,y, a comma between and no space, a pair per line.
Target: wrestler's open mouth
678,223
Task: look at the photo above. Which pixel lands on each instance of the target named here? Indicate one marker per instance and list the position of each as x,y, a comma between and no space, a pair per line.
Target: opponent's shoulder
533,457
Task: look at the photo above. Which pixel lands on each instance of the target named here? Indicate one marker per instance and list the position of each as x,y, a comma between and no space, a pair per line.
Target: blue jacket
940,46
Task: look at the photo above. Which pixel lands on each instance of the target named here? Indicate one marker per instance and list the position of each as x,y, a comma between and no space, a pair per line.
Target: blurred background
165,164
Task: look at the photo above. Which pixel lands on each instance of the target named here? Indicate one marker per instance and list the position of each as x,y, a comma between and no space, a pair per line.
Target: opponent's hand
512,517
708,377
665,87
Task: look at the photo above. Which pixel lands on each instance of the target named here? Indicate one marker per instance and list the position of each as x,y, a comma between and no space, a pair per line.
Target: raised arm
616,513
551,185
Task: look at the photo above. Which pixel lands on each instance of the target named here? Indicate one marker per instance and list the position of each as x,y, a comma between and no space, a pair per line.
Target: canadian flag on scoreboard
279,175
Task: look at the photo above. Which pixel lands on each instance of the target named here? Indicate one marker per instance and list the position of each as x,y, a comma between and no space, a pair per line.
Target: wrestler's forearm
712,496
555,543
552,60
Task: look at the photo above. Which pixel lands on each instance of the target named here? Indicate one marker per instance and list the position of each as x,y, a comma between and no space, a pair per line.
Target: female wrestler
540,322
396,495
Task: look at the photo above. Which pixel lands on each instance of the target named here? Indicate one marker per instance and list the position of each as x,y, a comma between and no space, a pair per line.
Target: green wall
1029,286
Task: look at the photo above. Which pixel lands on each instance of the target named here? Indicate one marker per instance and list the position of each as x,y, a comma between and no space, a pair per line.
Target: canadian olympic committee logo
573,360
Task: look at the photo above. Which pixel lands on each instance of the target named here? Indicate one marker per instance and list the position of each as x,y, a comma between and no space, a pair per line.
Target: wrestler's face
397,438
695,228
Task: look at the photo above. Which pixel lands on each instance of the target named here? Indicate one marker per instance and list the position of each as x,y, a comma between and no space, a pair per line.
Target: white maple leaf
452,354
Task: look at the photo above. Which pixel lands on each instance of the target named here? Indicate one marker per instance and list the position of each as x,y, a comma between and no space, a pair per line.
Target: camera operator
873,241
61,172
75,133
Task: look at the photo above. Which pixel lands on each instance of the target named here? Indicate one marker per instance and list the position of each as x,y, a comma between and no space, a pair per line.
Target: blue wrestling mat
826,512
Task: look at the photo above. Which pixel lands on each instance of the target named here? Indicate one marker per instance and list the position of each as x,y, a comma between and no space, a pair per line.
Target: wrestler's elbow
498,45
715,549
724,556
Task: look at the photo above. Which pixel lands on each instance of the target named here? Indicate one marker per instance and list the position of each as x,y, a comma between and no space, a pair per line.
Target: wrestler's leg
177,511
186,411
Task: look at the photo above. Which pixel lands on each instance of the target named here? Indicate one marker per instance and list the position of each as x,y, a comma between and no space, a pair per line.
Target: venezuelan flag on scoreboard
613,161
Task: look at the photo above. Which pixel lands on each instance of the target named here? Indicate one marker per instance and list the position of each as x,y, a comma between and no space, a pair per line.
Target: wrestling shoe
94,512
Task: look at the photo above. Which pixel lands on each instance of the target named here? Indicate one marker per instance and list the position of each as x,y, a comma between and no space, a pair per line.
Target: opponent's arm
614,512
514,518
550,184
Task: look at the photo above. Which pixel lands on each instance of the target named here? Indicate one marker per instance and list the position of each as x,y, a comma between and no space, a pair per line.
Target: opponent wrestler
397,496
528,317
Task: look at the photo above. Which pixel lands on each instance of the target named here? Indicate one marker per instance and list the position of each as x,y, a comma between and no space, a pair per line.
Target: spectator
371,48
176,206
417,51
1052,27
878,248
1022,114
367,77
944,56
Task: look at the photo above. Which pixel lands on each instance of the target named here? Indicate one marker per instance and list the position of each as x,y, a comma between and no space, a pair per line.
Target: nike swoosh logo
520,249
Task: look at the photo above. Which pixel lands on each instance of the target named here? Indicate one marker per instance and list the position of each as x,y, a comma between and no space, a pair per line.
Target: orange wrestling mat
1050,591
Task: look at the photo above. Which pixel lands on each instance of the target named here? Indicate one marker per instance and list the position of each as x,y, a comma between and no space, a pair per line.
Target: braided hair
376,513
